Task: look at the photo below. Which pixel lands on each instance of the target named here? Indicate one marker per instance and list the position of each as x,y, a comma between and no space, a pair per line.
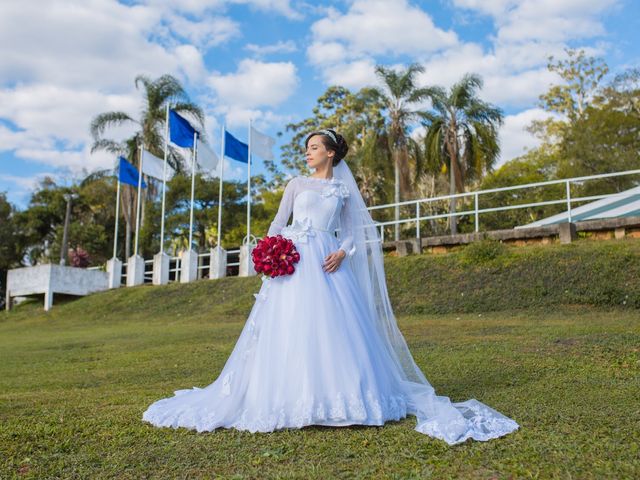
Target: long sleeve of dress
284,209
346,229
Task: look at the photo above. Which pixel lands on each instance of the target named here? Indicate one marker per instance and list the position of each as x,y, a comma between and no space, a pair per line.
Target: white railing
234,264
567,200
203,266
176,269
148,274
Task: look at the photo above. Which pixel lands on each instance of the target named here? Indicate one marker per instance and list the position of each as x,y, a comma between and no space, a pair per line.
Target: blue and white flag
128,174
207,159
234,148
180,130
154,166
262,144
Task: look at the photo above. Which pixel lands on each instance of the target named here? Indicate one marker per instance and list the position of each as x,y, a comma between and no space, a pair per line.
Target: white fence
477,211
175,267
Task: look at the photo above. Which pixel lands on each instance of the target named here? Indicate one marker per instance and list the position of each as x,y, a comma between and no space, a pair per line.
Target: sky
64,61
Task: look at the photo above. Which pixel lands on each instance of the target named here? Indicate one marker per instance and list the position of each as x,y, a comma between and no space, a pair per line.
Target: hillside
482,277
74,381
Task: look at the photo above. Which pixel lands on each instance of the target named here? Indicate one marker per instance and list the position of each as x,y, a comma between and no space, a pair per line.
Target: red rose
275,256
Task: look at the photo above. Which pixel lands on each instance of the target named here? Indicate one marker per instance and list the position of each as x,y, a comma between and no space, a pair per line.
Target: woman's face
317,154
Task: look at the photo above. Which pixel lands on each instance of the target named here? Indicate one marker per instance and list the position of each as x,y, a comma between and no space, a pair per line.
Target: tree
602,140
623,93
205,212
537,165
358,117
158,94
11,251
462,135
568,101
40,225
399,95
594,127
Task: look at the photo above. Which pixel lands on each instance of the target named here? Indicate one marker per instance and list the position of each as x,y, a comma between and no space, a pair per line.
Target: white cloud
283,7
256,84
518,89
20,187
344,45
280,47
200,7
504,83
11,139
449,66
326,53
238,118
49,112
75,161
205,33
489,7
514,67
543,20
102,44
383,27
557,29
25,184
353,75
191,63
65,63
514,139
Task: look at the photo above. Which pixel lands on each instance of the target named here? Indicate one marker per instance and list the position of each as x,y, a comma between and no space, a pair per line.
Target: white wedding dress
308,354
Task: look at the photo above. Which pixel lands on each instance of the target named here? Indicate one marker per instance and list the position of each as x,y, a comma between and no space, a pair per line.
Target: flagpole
220,186
135,247
115,235
249,185
249,195
164,177
193,184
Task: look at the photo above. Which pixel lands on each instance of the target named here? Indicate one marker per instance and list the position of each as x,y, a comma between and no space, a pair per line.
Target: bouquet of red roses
275,256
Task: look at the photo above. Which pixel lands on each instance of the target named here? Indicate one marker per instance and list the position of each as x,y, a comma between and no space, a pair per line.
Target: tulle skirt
309,354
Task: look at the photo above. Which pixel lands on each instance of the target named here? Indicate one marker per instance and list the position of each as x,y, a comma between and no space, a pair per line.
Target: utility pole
65,234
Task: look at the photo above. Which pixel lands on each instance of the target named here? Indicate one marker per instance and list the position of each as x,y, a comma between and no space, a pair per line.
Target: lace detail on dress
354,409
474,420
335,187
370,409
299,230
261,296
226,384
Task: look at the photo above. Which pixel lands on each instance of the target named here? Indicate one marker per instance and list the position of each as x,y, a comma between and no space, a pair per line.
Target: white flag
153,166
207,159
262,145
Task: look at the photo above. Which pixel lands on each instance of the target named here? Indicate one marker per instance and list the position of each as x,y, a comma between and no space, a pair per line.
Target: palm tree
462,135
158,94
399,94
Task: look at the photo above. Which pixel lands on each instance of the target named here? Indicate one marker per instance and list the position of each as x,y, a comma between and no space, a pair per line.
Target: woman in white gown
322,346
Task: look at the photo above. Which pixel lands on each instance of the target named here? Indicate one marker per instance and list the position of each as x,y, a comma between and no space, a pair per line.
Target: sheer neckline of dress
327,180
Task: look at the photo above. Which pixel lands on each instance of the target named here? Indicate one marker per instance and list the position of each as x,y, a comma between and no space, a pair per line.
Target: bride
321,346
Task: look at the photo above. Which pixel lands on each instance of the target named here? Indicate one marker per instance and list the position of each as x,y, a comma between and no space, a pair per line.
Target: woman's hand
333,261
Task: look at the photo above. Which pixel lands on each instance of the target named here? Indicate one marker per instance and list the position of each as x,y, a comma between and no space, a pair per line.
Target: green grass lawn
75,382
550,337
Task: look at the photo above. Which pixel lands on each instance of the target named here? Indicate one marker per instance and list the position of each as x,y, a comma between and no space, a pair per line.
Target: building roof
623,204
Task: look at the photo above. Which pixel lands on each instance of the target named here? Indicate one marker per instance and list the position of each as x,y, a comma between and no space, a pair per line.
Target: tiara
330,134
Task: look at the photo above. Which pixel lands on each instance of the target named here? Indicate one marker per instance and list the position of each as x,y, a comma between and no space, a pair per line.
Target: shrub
483,251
